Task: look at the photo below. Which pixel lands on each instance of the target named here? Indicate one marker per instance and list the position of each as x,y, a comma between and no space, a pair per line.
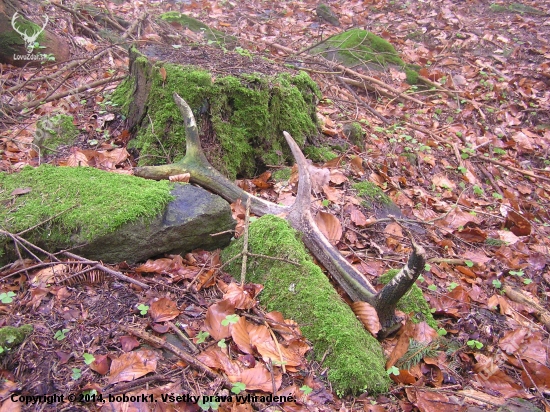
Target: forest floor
467,162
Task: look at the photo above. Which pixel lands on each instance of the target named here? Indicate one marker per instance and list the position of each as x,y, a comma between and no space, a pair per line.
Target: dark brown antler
298,215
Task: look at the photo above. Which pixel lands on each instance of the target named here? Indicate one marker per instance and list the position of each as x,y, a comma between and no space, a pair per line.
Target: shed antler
300,218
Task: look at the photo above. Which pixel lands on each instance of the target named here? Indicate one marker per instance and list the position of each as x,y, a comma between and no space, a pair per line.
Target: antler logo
29,39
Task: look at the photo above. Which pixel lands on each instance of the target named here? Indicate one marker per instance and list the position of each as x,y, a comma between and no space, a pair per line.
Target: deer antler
298,215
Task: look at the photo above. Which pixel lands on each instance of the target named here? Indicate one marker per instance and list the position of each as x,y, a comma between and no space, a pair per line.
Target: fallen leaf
130,366
330,226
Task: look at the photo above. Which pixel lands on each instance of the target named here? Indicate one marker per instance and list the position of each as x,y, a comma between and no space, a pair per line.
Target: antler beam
300,218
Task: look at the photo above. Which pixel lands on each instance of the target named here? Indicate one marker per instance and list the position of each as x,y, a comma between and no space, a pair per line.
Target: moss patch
282,175
54,131
413,301
354,133
319,153
371,193
100,201
11,337
516,8
212,35
360,47
247,116
354,358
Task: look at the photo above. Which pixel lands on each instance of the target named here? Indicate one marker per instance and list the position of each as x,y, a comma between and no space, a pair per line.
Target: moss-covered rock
354,133
10,336
54,131
353,357
412,302
360,47
117,217
241,118
214,36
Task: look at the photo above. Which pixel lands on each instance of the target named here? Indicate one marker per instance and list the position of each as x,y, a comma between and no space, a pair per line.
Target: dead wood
298,215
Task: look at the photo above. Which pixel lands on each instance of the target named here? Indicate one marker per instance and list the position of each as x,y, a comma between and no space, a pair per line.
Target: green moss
413,301
412,75
282,175
371,193
516,7
354,133
353,357
100,201
319,154
10,336
360,47
212,35
54,131
247,114
122,96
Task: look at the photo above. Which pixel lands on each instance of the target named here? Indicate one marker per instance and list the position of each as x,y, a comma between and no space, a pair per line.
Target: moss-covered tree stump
242,105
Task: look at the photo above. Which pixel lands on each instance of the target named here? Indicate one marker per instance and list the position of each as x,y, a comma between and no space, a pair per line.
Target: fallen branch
298,215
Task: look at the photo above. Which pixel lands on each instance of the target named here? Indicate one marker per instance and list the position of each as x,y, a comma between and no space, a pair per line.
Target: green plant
143,309
478,191
462,169
452,286
201,336
527,281
325,202
206,403
77,374
244,52
497,196
441,332
222,344
306,389
393,371
427,267
238,387
6,297
60,334
474,344
516,272
497,283
230,319
88,358
469,263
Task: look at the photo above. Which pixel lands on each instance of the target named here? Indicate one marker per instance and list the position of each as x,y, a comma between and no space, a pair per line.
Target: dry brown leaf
367,315
128,343
517,224
512,340
163,310
130,366
215,358
333,194
330,226
214,316
100,364
182,178
259,379
247,335
239,297
395,235
337,177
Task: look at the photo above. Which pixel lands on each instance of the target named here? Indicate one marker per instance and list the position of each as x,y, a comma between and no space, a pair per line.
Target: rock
109,216
186,224
325,13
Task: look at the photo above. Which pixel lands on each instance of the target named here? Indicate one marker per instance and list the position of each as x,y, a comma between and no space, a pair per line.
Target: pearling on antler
300,218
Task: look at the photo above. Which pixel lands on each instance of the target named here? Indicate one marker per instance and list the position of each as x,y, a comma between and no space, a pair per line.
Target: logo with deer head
28,38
